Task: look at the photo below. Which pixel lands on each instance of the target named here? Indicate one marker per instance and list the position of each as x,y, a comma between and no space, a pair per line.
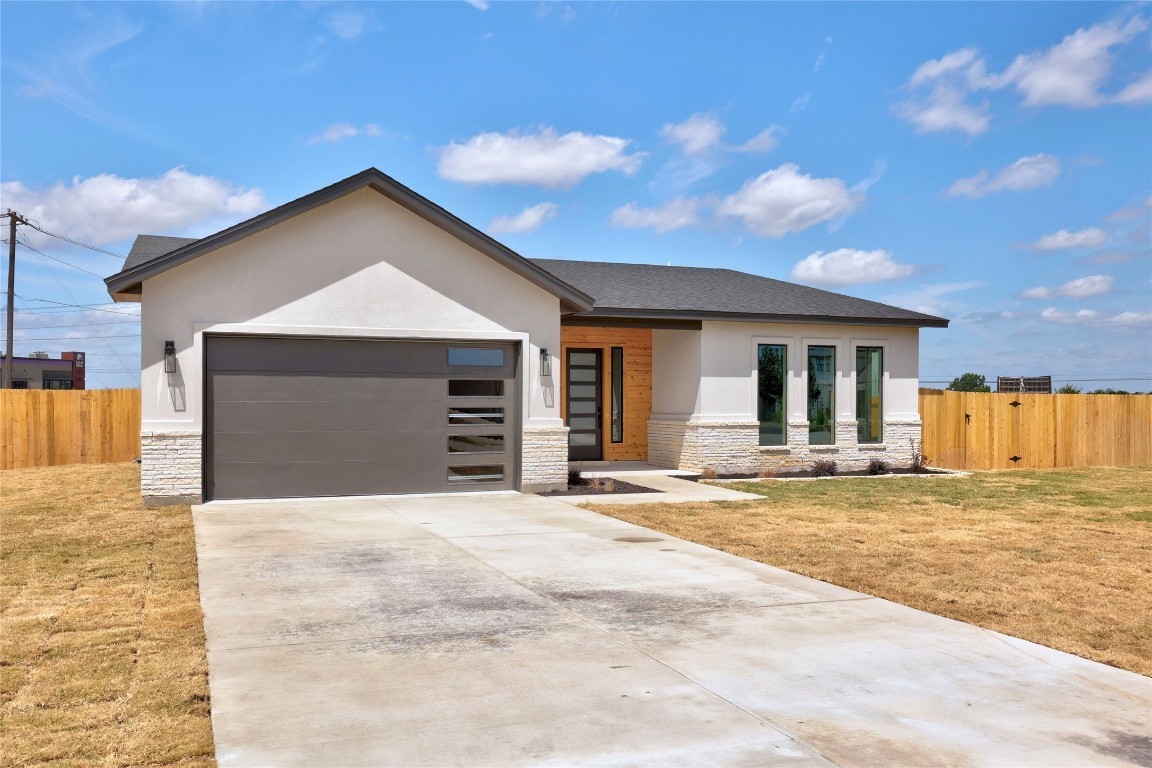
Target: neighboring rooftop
148,247
651,291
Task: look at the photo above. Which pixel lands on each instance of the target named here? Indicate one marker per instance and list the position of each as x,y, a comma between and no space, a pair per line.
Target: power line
65,263
89,307
40,229
82,338
61,341
59,282
73,325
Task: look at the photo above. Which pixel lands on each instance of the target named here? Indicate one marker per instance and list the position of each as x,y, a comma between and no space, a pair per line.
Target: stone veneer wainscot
544,459
171,467
732,447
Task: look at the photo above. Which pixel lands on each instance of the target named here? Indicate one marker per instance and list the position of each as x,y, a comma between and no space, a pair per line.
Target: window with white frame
869,394
821,394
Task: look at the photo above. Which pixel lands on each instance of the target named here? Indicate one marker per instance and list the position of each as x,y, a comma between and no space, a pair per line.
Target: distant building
38,371
1028,385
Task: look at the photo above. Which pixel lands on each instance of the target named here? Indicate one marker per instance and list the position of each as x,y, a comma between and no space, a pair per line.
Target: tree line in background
974,382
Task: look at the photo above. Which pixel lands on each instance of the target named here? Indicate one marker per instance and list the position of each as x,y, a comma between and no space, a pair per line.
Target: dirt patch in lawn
101,637
1059,557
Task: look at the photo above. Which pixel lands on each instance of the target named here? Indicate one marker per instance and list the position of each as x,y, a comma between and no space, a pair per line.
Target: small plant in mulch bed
919,462
575,477
824,468
708,473
879,467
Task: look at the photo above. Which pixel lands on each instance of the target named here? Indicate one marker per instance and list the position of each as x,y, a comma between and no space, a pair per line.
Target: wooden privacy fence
962,430
43,428
982,430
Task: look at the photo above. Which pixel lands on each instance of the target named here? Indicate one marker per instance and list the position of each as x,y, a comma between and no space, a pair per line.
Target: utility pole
13,219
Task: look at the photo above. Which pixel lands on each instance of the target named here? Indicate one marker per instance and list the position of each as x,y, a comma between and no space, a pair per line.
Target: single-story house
363,340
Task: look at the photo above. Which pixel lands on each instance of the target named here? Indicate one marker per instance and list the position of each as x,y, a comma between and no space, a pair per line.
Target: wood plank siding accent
637,344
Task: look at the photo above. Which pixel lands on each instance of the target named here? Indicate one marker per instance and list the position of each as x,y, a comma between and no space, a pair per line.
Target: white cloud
527,220
346,24
1083,238
784,200
1093,318
543,158
480,5
1141,210
1072,72
801,103
848,266
957,61
106,208
338,132
1053,315
765,141
1138,92
1029,172
932,299
1131,319
698,133
1080,288
945,109
676,214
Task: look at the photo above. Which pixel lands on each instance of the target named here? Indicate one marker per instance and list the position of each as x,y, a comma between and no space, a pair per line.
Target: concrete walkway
509,630
669,490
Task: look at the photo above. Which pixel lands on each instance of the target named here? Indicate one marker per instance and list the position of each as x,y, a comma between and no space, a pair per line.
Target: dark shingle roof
646,290
148,247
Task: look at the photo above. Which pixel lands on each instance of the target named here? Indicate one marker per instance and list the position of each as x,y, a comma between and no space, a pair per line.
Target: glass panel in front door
584,416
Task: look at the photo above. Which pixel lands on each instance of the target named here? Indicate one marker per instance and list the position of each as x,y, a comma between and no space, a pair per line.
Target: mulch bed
598,486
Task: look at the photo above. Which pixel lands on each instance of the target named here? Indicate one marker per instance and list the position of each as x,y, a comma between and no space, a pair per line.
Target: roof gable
152,254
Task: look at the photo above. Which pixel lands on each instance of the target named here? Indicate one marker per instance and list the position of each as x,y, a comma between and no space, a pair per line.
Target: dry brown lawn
101,637
1058,557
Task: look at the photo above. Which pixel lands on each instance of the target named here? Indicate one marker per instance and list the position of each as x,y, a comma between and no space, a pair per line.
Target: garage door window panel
459,416
479,473
476,444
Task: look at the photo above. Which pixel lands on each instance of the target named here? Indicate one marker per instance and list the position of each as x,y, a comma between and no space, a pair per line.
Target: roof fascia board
583,321
125,282
742,317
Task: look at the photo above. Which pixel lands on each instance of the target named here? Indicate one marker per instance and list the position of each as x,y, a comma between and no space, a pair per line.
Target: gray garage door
291,417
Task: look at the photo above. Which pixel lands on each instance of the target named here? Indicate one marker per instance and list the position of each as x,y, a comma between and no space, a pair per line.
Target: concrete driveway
508,630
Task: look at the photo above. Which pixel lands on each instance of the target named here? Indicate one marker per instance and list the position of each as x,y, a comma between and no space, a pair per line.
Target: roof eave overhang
743,317
128,282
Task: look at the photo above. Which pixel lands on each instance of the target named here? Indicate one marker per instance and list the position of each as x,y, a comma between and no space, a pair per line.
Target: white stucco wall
675,373
704,396
728,367
359,266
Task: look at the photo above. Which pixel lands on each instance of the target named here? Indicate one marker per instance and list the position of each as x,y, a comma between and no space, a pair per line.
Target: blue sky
991,163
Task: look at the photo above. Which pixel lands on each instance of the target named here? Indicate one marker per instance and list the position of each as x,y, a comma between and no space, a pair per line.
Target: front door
582,392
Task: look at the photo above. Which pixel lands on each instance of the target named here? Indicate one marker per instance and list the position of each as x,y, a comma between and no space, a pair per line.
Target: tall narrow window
869,394
617,394
772,381
821,395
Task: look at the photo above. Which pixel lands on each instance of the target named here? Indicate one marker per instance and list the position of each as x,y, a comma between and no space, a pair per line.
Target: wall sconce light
545,362
169,357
